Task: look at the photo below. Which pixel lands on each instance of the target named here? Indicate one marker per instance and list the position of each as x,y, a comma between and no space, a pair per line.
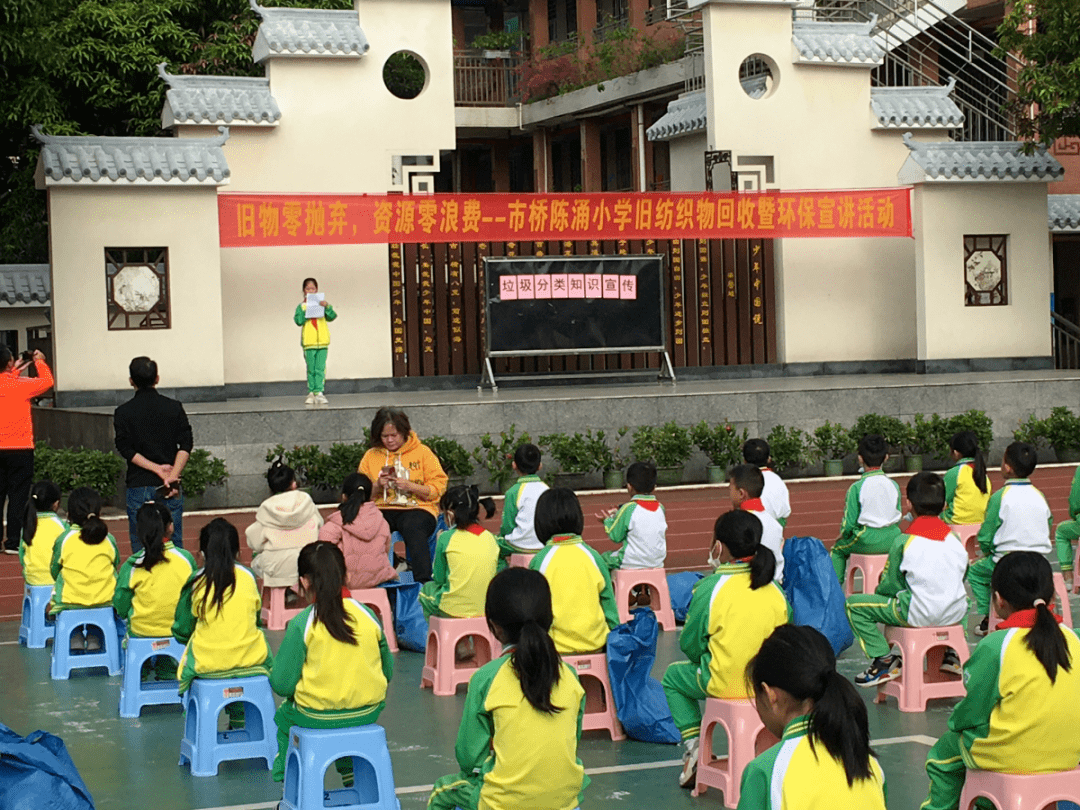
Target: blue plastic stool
36,627
134,694
312,751
204,747
72,619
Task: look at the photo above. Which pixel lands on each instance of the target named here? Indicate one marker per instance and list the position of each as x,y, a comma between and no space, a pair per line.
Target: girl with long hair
42,527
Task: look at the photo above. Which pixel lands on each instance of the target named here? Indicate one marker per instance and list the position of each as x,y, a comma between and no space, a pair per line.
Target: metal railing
1065,336
482,81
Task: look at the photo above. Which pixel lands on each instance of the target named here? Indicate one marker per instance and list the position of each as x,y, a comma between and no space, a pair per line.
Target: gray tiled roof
977,160
308,32
836,43
1064,212
218,100
25,284
73,159
929,107
684,116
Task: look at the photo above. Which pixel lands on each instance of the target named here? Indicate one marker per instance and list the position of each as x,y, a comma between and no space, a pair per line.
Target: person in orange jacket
17,439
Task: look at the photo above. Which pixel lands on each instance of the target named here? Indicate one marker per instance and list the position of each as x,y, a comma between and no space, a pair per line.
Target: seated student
1068,531
581,595
332,636
638,527
922,585
466,557
745,483
1017,519
284,523
774,495
823,758
731,613
1020,714
872,510
517,535
359,529
521,725
967,486
41,529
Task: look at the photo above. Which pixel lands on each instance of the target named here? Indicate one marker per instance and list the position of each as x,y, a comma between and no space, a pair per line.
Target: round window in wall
405,75
758,76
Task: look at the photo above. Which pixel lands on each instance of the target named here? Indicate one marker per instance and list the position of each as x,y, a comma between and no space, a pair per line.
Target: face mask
714,561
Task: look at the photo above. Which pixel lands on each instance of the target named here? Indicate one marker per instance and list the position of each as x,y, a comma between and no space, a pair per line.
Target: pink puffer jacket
366,545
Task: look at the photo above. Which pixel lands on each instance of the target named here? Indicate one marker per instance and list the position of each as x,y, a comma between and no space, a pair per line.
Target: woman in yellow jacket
315,338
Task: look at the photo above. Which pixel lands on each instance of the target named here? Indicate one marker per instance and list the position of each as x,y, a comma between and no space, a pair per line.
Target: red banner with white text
259,220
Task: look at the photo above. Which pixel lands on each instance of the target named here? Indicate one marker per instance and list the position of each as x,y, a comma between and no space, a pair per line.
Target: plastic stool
37,626
72,619
312,751
277,615
134,693
1060,591
746,738
204,746
599,706
871,566
1021,791
967,532
655,579
1076,570
441,671
520,560
915,685
377,600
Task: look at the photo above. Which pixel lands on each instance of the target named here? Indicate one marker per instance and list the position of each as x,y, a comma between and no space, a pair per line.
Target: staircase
690,23
1065,336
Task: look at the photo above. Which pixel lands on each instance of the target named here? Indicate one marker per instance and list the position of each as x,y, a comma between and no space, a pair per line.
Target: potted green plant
1031,430
668,446
577,455
453,457
790,448
497,456
890,428
1063,434
831,443
336,465
614,460
974,420
921,439
202,471
722,444
308,462
72,467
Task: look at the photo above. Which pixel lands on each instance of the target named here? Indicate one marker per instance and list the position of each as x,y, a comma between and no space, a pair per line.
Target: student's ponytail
464,504
762,567
219,543
740,532
800,661
150,523
1025,580
280,476
323,565
966,443
42,497
356,489
84,510
536,663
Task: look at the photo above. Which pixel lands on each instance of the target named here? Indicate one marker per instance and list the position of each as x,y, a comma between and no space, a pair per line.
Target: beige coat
284,523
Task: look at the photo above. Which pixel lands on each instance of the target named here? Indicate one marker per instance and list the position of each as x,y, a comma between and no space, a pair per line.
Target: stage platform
242,430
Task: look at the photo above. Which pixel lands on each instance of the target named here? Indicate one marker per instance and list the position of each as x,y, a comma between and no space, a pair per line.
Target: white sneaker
320,399
310,399
688,776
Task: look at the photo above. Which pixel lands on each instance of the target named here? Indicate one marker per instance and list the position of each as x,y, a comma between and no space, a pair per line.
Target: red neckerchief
345,593
475,528
565,538
752,505
651,505
930,527
744,559
1023,618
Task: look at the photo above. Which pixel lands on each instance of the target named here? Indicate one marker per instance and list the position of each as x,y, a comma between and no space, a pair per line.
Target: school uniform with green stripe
1068,531
308,673
726,623
795,774
582,600
871,519
465,563
640,530
965,504
36,558
517,534
922,586
513,757
85,574
148,599
1013,719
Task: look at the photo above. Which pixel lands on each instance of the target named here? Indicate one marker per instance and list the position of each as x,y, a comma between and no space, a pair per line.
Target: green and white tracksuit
775,497
582,600
639,528
1017,519
1013,719
965,504
36,558
308,673
871,519
148,599
315,340
726,624
85,574
772,533
922,586
793,774
465,563
1068,531
513,757
517,535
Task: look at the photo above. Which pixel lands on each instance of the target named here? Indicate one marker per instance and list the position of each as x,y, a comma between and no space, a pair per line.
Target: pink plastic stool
655,579
277,615
599,705
967,532
521,560
917,685
377,600
1020,791
871,566
441,671
1064,610
747,737
1076,570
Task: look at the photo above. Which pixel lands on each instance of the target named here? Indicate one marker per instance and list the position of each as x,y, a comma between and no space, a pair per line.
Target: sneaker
951,663
983,627
320,399
310,399
78,642
10,548
93,643
688,776
464,650
883,669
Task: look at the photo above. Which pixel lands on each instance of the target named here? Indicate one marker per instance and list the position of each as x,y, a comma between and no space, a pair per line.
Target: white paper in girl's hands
315,307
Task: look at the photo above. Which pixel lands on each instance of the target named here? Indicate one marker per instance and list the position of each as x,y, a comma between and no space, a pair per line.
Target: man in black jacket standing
154,437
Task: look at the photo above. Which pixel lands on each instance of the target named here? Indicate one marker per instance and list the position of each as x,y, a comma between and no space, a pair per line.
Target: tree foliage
1045,34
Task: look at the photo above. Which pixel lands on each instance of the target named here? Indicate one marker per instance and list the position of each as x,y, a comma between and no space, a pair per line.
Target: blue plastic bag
681,588
410,626
37,772
813,591
639,699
